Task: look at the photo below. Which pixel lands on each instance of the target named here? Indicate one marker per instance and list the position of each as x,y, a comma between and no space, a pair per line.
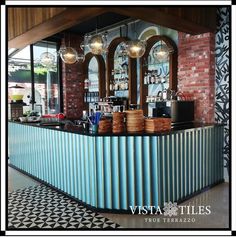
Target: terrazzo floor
216,198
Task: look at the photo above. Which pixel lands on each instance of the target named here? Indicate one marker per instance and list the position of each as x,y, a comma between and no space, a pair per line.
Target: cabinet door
158,69
94,78
121,71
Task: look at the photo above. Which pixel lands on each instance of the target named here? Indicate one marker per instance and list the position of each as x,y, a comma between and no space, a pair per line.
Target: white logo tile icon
170,209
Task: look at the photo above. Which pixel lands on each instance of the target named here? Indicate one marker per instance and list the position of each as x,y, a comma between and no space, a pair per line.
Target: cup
94,128
85,126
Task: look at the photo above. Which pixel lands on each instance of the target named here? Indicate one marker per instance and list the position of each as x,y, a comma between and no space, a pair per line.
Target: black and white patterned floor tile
40,207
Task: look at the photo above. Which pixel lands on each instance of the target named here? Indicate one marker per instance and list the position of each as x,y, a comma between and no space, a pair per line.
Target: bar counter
116,171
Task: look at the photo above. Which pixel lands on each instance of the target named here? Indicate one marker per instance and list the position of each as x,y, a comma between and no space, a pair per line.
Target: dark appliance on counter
181,112
16,110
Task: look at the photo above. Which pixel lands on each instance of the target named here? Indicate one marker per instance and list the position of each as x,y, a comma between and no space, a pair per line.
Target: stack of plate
134,120
157,124
104,126
118,124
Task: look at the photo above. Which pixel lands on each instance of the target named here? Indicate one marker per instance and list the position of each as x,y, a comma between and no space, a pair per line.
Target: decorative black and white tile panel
222,85
40,207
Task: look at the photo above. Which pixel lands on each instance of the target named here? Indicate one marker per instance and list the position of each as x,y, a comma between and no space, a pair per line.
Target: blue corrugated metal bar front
116,172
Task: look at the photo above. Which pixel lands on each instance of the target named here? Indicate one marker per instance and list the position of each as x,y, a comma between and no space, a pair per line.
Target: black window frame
59,72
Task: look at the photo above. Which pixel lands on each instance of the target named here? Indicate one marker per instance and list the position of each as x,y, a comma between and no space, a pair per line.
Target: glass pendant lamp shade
47,59
161,53
68,55
97,44
136,48
80,58
82,45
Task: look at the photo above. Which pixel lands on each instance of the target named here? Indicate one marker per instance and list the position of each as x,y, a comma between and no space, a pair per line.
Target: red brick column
73,81
196,72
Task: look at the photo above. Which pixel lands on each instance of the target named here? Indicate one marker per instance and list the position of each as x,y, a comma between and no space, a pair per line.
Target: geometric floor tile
40,207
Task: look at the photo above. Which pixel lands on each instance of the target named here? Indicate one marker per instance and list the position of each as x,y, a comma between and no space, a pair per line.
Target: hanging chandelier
80,58
68,55
47,59
97,44
161,52
135,48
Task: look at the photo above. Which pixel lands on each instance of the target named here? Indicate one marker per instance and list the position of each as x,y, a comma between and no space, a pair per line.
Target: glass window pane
19,73
47,96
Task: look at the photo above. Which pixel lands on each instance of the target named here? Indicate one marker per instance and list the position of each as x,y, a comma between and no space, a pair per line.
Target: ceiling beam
58,23
192,20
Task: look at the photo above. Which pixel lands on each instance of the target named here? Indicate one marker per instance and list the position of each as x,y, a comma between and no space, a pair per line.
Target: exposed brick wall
73,81
196,72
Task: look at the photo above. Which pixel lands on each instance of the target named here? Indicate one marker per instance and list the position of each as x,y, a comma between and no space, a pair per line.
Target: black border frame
230,109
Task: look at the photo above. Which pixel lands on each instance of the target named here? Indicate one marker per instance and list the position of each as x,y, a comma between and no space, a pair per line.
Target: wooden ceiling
29,25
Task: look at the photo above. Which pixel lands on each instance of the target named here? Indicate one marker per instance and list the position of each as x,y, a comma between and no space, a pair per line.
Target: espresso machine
110,104
181,112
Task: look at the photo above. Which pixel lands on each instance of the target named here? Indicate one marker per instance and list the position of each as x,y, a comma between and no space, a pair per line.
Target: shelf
155,64
120,90
87,90
118,74
159,83
93,73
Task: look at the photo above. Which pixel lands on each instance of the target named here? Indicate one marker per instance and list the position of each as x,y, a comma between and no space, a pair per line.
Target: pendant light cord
69,39
135,30
96,25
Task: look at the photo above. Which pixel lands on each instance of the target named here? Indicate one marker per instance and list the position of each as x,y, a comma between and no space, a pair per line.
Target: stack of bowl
104,126
118,125
157,124
134,120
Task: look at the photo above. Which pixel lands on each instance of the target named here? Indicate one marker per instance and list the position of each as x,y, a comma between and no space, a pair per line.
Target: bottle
89,97
145,78
127,84
148,76
152,78
86,83
164,95
116,87
111,86
156,77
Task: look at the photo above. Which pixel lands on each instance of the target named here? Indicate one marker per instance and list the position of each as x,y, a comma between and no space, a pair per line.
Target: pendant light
122,47
161,52
47,59
136,48
80,58
68,54
98,43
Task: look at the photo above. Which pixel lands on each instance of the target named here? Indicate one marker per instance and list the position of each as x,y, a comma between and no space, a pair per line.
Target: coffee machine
110,104
181,112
